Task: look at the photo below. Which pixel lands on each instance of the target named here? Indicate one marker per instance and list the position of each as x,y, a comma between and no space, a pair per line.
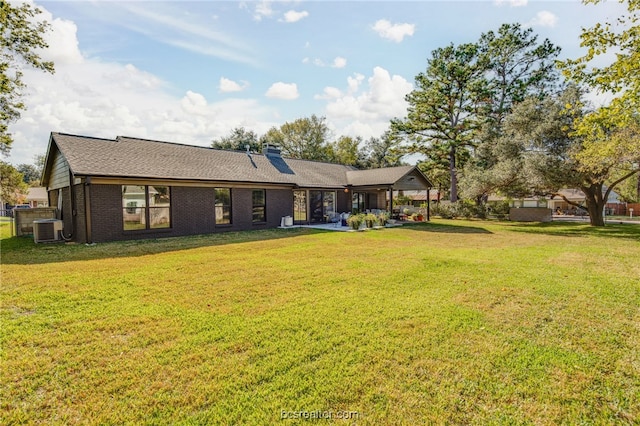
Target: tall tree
519,66
443,114
238,140
305,138
22,36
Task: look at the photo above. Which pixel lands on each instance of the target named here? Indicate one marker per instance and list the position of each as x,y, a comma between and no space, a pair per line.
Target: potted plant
383,218
370,219
354,221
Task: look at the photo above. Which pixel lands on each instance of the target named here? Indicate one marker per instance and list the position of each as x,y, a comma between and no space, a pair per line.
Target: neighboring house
558,204
37,197
130,188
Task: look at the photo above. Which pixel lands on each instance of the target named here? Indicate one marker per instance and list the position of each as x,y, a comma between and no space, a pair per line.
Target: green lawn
449,322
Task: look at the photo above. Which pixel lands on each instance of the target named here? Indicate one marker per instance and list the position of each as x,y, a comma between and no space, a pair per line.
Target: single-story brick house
128,188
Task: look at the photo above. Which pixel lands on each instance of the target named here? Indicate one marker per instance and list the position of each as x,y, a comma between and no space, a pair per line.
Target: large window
358,202
300,206
223,206
259,198
146,207
322,206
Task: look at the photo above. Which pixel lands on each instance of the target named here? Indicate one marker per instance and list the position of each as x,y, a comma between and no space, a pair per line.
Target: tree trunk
595,204
453,174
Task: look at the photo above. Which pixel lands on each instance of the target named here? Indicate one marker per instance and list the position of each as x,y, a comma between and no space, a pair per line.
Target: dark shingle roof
383,176
142,158
131,157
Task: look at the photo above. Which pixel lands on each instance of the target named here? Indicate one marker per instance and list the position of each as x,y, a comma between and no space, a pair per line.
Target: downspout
73,203
87,209
428,204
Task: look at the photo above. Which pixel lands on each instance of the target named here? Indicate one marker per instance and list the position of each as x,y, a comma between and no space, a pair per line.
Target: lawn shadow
445,228
575,229
23,250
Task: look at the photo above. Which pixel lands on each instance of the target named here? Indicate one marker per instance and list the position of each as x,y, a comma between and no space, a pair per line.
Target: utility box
47,230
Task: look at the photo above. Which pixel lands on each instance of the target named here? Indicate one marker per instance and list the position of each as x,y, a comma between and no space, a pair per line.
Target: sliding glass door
300,206
322,205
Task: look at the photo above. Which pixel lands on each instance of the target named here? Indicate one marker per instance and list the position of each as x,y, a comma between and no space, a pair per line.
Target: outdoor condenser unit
47,230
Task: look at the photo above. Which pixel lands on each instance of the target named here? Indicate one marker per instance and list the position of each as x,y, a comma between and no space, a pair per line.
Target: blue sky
189,72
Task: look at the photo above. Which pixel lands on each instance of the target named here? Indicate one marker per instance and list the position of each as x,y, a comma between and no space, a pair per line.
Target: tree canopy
442,116
22,36
238,140
12,184
456,112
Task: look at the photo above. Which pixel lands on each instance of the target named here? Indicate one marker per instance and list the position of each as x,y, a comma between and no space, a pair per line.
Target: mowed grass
449,322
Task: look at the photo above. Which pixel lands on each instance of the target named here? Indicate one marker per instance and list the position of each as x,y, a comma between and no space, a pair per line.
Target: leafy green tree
11,183
623,37
30,173
346,150
383,151
305,138
238,140
611,149
442,118
21,37
553,143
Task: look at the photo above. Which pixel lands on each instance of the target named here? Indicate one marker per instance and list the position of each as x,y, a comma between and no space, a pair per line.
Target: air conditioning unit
47,230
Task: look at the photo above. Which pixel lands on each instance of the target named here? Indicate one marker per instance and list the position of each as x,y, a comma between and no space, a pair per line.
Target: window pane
159,217
134,202
223,206
329,203
133,196
159,196
258,197
258,214
259,200
300,206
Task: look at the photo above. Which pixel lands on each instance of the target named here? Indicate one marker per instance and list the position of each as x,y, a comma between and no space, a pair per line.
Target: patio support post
428,204
390,201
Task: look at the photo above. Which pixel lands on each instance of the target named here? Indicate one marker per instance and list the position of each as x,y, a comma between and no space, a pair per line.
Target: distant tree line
309,138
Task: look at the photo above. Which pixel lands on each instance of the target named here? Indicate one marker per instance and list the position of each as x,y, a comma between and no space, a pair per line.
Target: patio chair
336,219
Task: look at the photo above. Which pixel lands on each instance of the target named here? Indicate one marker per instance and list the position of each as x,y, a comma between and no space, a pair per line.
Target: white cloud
339,62
512,3
227,86
166,24
544,19
62,40
366,111
263,10
87,96
284,91
194,103
293,16
394,32
329,92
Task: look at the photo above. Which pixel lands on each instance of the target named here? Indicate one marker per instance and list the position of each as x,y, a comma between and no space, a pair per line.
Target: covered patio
372,190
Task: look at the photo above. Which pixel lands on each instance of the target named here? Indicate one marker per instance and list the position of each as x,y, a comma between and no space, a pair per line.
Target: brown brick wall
192,212
530,214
